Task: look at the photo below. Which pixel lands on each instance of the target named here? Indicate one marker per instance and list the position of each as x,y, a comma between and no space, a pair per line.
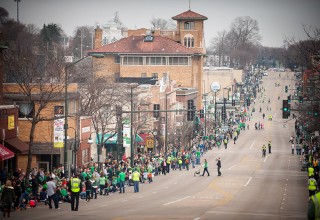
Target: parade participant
269,147
205,167
263,149
219,166
51,192
314,205
7,198
122,179
312,186
136,179
74,188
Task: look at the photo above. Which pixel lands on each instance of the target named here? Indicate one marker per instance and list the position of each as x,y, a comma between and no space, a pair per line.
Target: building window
143,74
178,61
154,75
189,41
116,59
132,61
26,109
189,25
165,76
155,61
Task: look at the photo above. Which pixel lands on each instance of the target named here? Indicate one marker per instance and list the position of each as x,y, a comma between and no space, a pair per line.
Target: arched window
188,41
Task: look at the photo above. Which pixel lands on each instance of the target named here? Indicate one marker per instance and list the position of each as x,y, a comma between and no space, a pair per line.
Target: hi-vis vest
312,184
310,171
316,202
135,176
75,185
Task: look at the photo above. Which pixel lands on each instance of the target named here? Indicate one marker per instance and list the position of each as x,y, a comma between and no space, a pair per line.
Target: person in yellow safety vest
136,179
168,163
180,163
75,188
264,150
312,186
314,206
310,171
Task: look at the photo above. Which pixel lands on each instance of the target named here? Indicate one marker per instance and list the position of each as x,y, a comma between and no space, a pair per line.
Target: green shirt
122,176
206,164
102,180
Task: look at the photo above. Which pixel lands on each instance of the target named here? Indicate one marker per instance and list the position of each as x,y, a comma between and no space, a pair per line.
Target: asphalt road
251,187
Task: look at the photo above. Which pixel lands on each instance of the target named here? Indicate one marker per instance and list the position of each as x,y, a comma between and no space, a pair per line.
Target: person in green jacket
205,167
102,183
122,179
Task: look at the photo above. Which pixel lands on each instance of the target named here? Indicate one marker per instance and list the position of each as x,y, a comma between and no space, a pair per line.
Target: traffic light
286,89
190,113
233,102
223,113
285,109
301,99
156,108
289,98
201,113
316,111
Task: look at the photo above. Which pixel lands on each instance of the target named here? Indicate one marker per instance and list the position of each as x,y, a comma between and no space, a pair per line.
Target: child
150,177
43,196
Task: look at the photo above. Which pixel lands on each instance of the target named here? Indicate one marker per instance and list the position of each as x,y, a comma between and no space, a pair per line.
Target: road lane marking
154,192
178,200
231,167
175,183
196,218
265,159
247,183
252,144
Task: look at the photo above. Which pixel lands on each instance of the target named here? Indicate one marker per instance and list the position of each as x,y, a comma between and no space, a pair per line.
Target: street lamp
166,128
65,159
131,120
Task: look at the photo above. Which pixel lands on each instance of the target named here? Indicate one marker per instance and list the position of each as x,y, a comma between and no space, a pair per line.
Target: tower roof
189,15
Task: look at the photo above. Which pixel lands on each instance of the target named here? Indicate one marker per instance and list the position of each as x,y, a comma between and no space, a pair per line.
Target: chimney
97,38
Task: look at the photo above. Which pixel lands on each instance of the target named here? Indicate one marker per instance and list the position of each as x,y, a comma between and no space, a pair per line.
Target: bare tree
99,100
304,53
162,24
219,46
243,35
39,79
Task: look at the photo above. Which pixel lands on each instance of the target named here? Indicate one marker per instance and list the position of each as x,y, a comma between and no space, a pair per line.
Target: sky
277,19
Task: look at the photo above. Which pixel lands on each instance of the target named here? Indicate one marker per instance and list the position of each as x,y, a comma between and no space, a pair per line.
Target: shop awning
17,146
113,140
5,153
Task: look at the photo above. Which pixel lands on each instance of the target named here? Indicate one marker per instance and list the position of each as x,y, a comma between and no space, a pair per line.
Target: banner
10,122
126,135
58,127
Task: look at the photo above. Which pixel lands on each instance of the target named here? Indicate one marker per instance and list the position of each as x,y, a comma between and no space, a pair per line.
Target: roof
189,15
137,45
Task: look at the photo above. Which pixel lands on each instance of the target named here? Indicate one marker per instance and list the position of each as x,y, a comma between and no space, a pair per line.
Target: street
251,186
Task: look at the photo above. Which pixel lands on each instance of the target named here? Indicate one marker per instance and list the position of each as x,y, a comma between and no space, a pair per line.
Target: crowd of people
89,182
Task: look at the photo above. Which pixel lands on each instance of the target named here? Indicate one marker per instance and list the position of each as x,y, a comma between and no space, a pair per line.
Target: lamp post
166,128
131,121
65,159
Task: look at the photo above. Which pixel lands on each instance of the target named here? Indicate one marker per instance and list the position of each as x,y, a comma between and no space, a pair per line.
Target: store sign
126,135
10,122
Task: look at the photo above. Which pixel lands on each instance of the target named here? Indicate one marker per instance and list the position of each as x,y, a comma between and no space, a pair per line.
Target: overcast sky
277,18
